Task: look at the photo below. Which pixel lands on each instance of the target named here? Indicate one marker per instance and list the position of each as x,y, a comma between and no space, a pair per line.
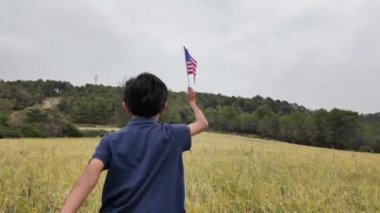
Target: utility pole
96,78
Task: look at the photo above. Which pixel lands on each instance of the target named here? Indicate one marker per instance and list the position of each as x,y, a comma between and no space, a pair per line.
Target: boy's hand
191,97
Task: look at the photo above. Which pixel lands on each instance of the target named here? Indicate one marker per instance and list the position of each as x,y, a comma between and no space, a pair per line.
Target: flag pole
188,80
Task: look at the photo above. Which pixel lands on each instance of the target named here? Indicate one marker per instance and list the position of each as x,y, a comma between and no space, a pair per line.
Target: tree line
263,117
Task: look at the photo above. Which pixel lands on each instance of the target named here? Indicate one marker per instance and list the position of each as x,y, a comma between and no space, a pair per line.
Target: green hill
264,117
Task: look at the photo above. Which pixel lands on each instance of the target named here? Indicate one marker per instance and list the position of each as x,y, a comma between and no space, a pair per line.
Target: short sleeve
102,152
182,135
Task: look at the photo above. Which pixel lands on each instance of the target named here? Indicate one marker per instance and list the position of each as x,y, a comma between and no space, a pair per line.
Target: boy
144,158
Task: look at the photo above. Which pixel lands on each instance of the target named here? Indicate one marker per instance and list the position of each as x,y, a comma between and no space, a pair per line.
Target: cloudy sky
317,53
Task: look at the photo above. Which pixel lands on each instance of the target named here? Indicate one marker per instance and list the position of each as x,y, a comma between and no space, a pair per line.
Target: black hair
145,95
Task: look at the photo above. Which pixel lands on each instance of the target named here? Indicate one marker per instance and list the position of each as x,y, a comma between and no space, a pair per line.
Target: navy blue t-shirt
145,169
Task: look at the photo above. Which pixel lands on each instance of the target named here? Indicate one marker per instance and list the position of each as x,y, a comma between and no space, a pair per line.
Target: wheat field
223,173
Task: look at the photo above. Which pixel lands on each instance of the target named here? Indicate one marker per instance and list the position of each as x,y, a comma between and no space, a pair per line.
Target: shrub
70,130
6,129
94,133
38,122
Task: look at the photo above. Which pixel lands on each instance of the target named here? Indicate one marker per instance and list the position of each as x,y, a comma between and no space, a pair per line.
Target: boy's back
145,170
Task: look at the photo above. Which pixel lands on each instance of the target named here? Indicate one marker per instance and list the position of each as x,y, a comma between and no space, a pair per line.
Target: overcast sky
317,53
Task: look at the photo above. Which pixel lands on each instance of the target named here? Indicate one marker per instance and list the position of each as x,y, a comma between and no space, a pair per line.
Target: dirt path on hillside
49,103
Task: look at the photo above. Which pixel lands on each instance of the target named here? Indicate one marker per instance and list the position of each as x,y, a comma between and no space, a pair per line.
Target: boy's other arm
83,186
200,124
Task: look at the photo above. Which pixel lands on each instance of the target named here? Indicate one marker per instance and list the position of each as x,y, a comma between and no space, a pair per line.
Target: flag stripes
191,63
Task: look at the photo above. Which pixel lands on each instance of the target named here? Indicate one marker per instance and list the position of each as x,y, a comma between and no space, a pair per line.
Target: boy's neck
155,118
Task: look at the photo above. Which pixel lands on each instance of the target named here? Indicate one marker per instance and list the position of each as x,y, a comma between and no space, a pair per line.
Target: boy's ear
164,108
125,107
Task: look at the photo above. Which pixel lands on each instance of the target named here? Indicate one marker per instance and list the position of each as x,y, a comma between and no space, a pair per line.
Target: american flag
191,64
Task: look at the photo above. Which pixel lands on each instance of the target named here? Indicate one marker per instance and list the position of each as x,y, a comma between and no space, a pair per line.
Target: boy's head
145,95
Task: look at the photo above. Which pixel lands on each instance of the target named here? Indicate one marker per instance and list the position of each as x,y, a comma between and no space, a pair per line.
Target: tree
346,131
35,114
229,119
248,123
6,105
268,121
6,129
323,136
100,111
297,127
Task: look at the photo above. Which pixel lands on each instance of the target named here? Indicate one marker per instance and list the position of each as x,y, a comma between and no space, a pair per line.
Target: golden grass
223,173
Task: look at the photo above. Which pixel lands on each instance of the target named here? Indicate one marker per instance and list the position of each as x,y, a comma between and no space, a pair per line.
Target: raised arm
83,186
200,124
